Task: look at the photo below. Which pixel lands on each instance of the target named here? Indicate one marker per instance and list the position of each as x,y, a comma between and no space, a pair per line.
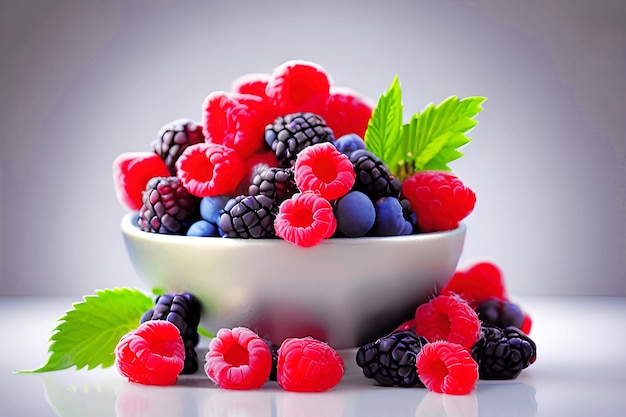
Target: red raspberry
347,111
439,199
446,368
308,365
478,283
251,84
236,120
305,219
238,359
323,169
131,173
152,354
209,169
448,317
298,86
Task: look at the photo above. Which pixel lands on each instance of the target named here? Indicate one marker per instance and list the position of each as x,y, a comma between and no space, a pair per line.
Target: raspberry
131,173
278,184
182,310
373,176
305,219
446,368
297,86
248,217
238,359
308,365
478,283
173,138
390,360
355,214
346,111
439,199
167,207
152,354
321,168
290,134
502,353
253,83
448,317
236,121
209,169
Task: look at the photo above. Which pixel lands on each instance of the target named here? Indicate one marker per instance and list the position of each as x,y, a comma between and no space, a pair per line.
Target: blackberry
373,177
293,132
167,207
501,313
173,138
275,183
390,360
248,217
182,310
502,353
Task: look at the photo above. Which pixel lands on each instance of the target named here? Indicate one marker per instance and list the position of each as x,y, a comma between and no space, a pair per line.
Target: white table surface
580,371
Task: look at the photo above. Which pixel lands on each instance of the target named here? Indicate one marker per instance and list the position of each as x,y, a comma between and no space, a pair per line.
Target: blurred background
83,81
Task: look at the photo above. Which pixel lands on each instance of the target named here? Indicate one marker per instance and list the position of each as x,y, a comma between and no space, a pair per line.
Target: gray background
83,81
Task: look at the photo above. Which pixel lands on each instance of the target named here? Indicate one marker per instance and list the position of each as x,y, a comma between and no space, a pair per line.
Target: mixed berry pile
282,155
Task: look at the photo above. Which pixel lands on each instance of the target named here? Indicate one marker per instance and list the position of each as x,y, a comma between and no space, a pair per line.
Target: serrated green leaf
86,336
383,128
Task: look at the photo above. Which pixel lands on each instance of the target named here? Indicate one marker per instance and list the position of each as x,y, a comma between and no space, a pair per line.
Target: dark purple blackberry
390,360
167,207
274,372
173,138
502,353
276,183
182,310
501,313
289,134
373,177
248,217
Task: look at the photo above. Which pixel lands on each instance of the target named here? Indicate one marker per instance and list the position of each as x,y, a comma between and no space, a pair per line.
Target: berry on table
238,359
439,199
479,282
152,354
168,207
448,317
447,368
308,365
248,217
501,313
391,359
305,219
321,168
355,214
173,138
131,173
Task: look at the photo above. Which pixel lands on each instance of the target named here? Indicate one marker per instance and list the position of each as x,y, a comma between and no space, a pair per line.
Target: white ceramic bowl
347,291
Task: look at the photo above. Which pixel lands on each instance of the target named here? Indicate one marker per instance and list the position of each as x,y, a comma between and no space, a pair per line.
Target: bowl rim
130,228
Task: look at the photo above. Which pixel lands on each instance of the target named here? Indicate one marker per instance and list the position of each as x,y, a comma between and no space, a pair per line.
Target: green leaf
86,336
430,139
383,128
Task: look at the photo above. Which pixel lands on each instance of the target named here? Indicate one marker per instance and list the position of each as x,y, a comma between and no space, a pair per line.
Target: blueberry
349,143
210,208
390,220
203,228
355,214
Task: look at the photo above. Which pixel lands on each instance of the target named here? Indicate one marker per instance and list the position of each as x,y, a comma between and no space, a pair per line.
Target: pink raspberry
305,219
448,317
308,365
238,359
236,120
152,354
347,111
253,83
439,199
131,173
446,368
298,86
480,282
323,169
209,169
